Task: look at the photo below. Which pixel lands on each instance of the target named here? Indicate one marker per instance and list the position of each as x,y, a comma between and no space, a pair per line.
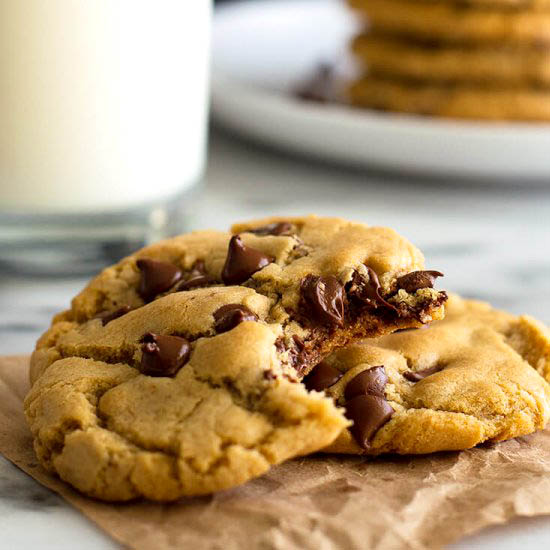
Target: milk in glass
102,103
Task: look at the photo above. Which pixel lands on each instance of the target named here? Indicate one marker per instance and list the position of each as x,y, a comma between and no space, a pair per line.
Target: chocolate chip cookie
460,382
453,22
324,281
498,4
175,372
404,58
463,100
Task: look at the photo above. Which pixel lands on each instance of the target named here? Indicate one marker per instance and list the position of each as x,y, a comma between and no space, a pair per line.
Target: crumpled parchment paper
316,502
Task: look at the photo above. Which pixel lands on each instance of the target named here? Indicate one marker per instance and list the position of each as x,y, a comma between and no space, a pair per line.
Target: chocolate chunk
369,291
242,262
411,282
156,277
107,317
416,376
230,315
163,355
196,278
277,228
324,299
322,377
369,413
369,382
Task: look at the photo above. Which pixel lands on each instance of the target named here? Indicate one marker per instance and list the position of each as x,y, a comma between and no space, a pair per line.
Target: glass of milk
103,110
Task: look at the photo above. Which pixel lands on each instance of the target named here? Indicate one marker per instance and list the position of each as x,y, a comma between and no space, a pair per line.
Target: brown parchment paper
316,502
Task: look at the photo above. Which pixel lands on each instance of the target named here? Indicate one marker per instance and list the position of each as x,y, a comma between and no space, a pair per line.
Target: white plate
262,49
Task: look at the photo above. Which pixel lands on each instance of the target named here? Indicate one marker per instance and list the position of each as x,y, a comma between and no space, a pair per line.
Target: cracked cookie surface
476,376
175,371
366,268
116,434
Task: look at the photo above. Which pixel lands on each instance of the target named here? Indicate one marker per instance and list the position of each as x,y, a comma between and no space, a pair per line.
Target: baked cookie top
319,281
471,378
223,418
175,372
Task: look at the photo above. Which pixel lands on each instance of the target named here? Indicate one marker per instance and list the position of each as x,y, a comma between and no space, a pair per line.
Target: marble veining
19,493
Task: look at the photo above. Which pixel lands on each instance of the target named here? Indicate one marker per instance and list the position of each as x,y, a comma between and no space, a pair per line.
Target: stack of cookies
199,362
473,59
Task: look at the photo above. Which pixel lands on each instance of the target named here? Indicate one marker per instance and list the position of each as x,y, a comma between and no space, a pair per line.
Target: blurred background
459,189
109,141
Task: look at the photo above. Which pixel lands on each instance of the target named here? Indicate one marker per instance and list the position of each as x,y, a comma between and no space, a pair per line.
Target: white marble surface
492,243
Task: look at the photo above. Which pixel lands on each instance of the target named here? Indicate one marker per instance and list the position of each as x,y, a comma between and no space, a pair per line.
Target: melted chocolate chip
277,229
163,355
322,377
369,413
107,317
416,376
242,262
411,282
419,311
196,278
366,404
156,277
229,316
369,382
280,345
324,299
298,354
368,292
